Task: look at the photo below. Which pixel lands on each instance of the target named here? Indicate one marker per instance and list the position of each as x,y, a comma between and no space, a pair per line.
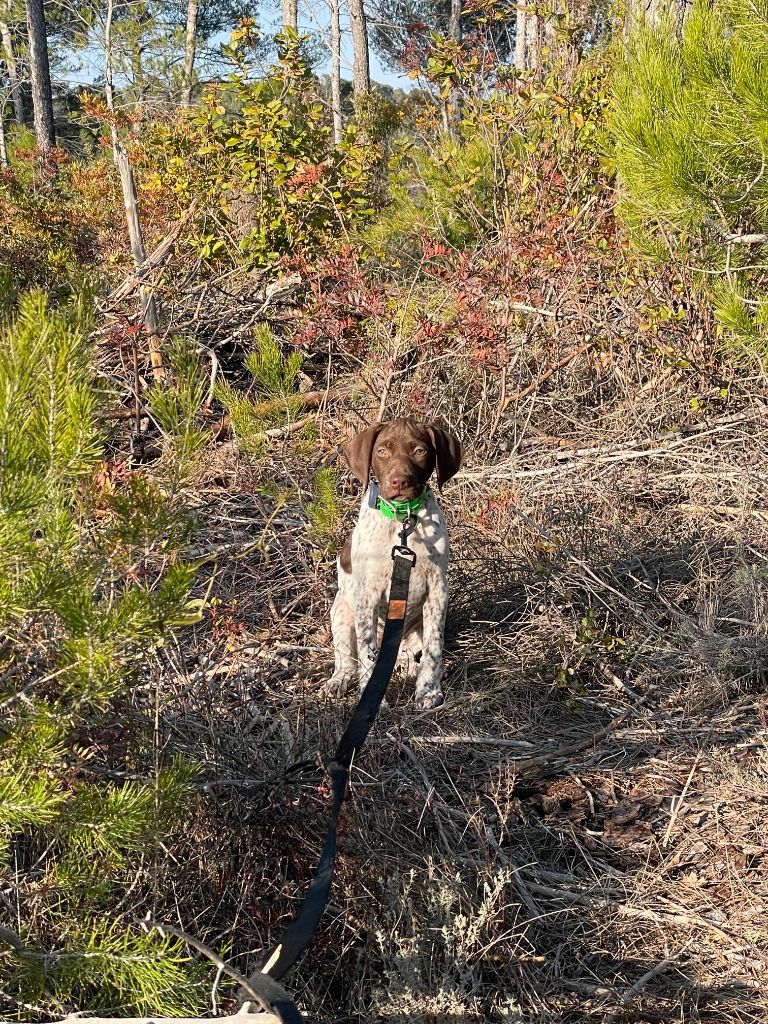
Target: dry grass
577,834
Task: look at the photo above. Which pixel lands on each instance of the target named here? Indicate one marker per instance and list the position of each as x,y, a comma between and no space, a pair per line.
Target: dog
401,455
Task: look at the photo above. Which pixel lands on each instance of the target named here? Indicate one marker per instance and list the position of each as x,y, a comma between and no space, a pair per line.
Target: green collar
401,510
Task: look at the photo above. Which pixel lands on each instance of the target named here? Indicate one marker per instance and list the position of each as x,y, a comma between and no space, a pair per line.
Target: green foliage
493,171
275,376
259,153
447,192
690,130
48,234
324,511
102,966
270,368
90,582
175,405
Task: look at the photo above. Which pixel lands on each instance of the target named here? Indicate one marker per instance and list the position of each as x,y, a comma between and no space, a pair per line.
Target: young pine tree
81,604
691,134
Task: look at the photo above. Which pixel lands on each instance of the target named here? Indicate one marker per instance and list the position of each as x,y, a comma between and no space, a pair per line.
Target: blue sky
88,65
320,22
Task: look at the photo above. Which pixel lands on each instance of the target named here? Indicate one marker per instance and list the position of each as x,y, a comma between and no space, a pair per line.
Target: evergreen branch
215,959
13,940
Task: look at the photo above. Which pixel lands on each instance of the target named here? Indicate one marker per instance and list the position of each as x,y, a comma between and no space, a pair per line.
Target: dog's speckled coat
365,571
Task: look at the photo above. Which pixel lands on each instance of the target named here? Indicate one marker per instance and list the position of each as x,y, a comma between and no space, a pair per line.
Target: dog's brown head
402,455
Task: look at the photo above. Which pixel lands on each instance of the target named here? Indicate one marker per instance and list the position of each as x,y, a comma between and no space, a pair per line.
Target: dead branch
245,1015
566,749
755,239
519,395
153,261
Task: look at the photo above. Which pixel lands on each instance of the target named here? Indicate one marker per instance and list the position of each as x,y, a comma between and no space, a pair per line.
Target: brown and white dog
401,455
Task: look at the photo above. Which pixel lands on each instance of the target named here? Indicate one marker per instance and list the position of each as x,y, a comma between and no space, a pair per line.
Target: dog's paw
338,685
426,699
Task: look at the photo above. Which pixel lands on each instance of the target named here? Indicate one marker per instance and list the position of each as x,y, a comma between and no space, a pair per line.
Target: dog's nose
399,481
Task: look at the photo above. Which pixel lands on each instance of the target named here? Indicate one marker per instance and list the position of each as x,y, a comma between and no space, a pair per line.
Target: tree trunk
532,41
40,75
520,29
190,45
131,202
290,13
338,126
6,37
651,11
454,100
549,33
3,146
361,74
454,21
148,307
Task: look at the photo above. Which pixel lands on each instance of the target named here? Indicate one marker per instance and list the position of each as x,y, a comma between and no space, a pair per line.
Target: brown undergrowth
577,834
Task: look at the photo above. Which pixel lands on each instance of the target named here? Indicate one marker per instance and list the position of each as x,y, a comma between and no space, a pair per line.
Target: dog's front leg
344,642
367,601
429,693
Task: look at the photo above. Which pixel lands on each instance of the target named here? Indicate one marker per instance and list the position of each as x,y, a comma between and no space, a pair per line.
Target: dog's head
402,455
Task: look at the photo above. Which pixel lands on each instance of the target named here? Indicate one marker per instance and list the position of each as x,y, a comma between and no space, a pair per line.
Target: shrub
259,156
275,376
324,511
689,127
521,155
90,581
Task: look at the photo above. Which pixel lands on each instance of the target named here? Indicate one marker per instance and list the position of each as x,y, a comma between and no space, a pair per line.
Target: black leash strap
299,932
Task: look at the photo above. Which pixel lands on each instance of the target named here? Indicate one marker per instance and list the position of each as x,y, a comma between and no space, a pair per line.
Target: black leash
300,931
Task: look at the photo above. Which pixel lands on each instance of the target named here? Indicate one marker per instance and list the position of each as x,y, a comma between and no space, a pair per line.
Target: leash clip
403,551
409,525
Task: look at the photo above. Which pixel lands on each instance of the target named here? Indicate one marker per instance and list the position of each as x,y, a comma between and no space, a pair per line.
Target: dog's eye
420,451
382,451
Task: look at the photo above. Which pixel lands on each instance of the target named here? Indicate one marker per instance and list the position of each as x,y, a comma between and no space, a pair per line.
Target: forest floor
578,833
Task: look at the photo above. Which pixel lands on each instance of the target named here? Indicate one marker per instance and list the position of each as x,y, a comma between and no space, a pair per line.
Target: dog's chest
375,536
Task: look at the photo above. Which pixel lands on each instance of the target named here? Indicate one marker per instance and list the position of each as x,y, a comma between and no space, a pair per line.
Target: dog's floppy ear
359,451
448,453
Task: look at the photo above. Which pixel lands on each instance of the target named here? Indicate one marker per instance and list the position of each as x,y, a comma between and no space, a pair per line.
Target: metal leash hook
402,550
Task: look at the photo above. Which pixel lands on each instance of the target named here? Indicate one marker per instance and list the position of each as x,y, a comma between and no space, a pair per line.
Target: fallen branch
155,259
519,395
723,510
635,448
243,1016
755,239
566,749
642,983
480,741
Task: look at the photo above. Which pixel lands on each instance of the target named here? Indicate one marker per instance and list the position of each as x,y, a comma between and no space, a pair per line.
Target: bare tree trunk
520,30
454,100
130,199
148,306
549,32
290,13
3,146
338,126
454,21
40,75
190,44
361,73
532,41
6,37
